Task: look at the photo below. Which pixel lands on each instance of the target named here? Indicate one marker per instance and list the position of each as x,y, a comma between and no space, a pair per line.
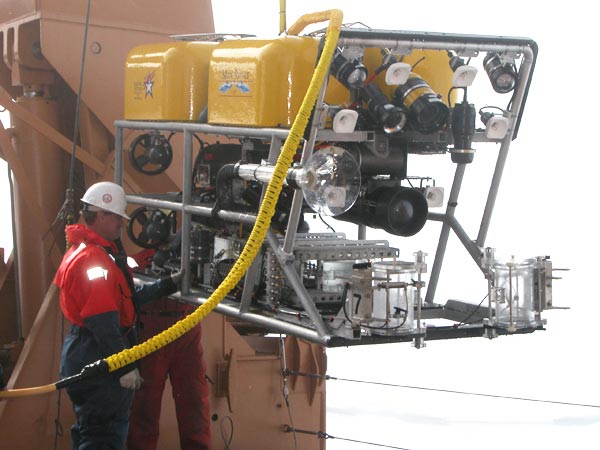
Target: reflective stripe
97,272
132,263
79,248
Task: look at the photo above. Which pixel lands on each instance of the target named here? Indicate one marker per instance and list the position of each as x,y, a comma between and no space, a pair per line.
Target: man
97,296
182,361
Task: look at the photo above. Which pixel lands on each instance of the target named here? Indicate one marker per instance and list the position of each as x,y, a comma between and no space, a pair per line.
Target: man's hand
131,380
176,277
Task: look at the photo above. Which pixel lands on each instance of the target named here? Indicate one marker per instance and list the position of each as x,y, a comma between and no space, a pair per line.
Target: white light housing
345,121
434,196
464,76
397,73
496,127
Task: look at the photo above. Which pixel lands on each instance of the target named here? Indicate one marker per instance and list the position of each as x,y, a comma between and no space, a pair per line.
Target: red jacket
90,282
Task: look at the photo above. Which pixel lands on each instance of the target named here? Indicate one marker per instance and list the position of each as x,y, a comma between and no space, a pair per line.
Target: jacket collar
79,233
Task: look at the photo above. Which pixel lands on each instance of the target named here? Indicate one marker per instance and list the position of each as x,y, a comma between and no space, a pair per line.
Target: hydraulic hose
282,16
28,392
257,235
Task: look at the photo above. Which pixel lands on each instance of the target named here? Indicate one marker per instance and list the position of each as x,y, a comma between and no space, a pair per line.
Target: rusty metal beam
20,173
66,144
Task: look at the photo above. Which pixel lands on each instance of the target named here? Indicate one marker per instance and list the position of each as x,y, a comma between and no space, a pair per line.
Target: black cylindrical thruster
398,210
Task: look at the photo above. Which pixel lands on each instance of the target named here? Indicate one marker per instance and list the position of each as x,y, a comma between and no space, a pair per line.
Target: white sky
549,181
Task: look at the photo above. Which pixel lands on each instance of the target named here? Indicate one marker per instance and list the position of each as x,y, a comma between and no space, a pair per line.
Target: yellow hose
335,25
282,23
28,392
263,220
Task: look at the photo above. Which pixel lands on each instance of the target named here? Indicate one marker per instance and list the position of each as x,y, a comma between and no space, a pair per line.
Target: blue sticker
243,87
225,87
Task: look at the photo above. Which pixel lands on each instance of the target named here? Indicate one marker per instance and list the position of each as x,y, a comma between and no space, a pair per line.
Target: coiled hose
257,235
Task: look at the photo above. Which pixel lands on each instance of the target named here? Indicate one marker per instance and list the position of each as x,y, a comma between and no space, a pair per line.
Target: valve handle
149,227
150,154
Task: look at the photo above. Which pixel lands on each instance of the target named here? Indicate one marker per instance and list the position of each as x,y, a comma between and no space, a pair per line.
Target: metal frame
310,325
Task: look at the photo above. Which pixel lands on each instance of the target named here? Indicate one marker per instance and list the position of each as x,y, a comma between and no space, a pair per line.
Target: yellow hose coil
267,207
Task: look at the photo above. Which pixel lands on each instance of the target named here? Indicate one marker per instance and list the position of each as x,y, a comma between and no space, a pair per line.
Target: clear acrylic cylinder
513,293
393,297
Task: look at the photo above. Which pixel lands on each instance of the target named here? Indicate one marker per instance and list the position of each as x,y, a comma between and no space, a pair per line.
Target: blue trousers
101,405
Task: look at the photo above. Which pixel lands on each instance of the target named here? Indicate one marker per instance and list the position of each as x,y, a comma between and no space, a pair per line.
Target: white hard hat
106,196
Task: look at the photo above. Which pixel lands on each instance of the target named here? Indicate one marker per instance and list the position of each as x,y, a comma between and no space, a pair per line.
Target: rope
285,388
448,391
67,210
226,439
66,214
323,435
78,101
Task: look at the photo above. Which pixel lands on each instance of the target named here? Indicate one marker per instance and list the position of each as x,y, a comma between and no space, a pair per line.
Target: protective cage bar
308,323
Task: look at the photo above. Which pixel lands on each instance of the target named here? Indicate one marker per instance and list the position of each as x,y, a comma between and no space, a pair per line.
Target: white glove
177,276
131,380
